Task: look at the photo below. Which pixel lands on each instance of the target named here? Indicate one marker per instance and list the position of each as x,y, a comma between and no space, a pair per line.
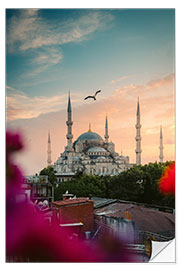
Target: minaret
49,161
161,146
69,135
106,136
138,137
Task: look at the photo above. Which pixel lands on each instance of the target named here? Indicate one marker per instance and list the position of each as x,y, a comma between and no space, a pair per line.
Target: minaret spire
69,135
138,110
138,136
161,146
49,161
106,136
69,104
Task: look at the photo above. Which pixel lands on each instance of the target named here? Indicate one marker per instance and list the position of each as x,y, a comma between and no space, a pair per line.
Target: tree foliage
86,185
138,184
51,174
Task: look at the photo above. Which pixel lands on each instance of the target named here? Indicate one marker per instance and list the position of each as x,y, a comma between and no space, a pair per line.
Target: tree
126,185
140,184
49,171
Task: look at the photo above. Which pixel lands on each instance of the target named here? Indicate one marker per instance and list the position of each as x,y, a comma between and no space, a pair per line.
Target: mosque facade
90,153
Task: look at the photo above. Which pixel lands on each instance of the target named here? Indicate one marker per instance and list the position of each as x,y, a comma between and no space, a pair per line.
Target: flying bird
94,97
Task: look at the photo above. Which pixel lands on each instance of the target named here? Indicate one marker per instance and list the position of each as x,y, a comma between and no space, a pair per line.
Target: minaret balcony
138,151
69,136
138,138
138,125
69,123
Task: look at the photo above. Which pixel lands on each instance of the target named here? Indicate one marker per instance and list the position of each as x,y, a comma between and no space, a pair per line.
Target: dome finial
89,128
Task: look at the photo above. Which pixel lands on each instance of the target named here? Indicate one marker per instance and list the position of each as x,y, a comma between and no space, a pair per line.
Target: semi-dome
89,136
96,149
101,157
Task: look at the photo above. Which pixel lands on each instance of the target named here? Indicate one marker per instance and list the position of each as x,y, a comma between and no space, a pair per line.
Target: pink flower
13,142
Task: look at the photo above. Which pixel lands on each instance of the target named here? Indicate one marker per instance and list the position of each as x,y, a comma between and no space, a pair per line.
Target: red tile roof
72,201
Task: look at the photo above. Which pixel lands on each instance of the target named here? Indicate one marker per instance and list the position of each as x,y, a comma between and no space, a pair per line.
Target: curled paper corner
163,252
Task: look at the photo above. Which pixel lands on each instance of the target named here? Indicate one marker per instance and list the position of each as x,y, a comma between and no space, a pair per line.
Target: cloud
120,79
21,106
43,59
50,56
163,87
161,82
29,30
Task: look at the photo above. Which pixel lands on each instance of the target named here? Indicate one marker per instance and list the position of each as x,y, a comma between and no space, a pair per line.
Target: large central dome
89,136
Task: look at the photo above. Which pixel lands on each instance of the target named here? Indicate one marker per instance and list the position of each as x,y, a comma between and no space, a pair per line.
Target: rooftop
72,201
100,202
146,219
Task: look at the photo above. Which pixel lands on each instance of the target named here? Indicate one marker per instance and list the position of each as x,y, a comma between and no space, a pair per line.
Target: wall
82,212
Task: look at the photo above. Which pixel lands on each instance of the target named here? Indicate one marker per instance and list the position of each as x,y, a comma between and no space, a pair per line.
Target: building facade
89,153
74,212
40,188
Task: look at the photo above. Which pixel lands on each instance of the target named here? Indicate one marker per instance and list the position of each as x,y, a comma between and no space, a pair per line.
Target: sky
127,53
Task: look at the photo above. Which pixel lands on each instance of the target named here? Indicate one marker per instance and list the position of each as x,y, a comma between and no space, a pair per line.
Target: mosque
91,154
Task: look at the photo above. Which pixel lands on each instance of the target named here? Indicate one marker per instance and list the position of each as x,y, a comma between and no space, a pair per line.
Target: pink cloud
120,79
21,106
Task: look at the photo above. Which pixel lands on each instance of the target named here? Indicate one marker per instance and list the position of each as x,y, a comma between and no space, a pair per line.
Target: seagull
94,95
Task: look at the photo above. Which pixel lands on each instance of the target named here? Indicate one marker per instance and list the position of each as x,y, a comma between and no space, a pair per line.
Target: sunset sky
125,53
